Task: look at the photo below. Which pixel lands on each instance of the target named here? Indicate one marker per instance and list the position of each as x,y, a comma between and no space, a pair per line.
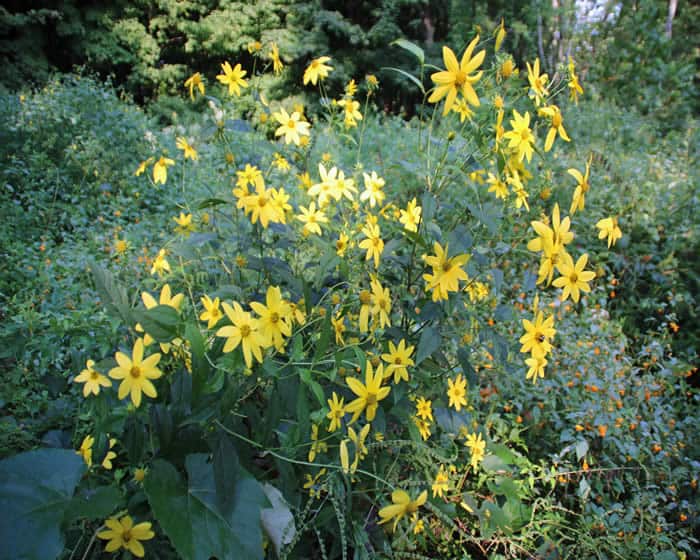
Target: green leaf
111,292
35,490
429,342
467,369
211,202
324,338
93,504
190,517
160,322
407,75
581,449
412,48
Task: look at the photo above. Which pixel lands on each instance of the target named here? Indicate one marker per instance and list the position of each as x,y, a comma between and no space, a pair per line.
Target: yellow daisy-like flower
538,335
337,411
188,150
446,274
401,505
538,82
381,304
195,81
441,484
161,266
536,367
291,126
233,77
160,170
557,125
457,392
373,244
275,318
136,374
122,533
342,244
244,332
398,359
424,409
317,70
457,77
574,278
93,380
107,461
608,228
373,189
410,218
578,201
312,219
277,65
260,206
521,139
149,302
141,169
368,394
477,446
85,450
212,311
184,224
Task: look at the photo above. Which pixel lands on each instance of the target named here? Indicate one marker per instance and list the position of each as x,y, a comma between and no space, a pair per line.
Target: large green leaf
160,322
36,487
190,515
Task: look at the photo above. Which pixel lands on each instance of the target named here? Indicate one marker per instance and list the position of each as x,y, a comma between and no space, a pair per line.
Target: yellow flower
574,86
244,332
536,367
538,82
462,109
85,450
410,218
212,312
189,151
456,77
195,81
477,446
339,329
608,228
280,162
507,69
574,279
401,505
423,427
424,409
372,81
498,187
381,304
373,189
275,318
358,441
558,236
160,264
136,374
312,218
441,484
316,446
233,78
456,392
277,65
328,187
538,335
447,272
520,138
143,165
373,244
398,359
122,533
557,126
317,70
352,112
107,461
260,206
139,475
184,224
500,33
351,88
337,411
368,394
291,126
254,47
341,245
160,170
93,380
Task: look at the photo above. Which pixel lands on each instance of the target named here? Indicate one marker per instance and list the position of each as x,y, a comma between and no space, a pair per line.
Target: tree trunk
672,5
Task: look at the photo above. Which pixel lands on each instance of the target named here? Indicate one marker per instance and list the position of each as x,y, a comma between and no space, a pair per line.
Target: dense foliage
265,331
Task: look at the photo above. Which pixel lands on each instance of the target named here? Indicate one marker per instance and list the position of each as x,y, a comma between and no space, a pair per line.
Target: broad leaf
36,487
190,515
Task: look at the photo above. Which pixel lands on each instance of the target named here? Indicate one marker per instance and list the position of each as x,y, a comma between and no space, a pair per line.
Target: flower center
126,535
525,134
245,331
262,201
291,124
573,277
460,78
556,120
371,399
274,317
398,361
446,266
135,372
365,297
94,375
